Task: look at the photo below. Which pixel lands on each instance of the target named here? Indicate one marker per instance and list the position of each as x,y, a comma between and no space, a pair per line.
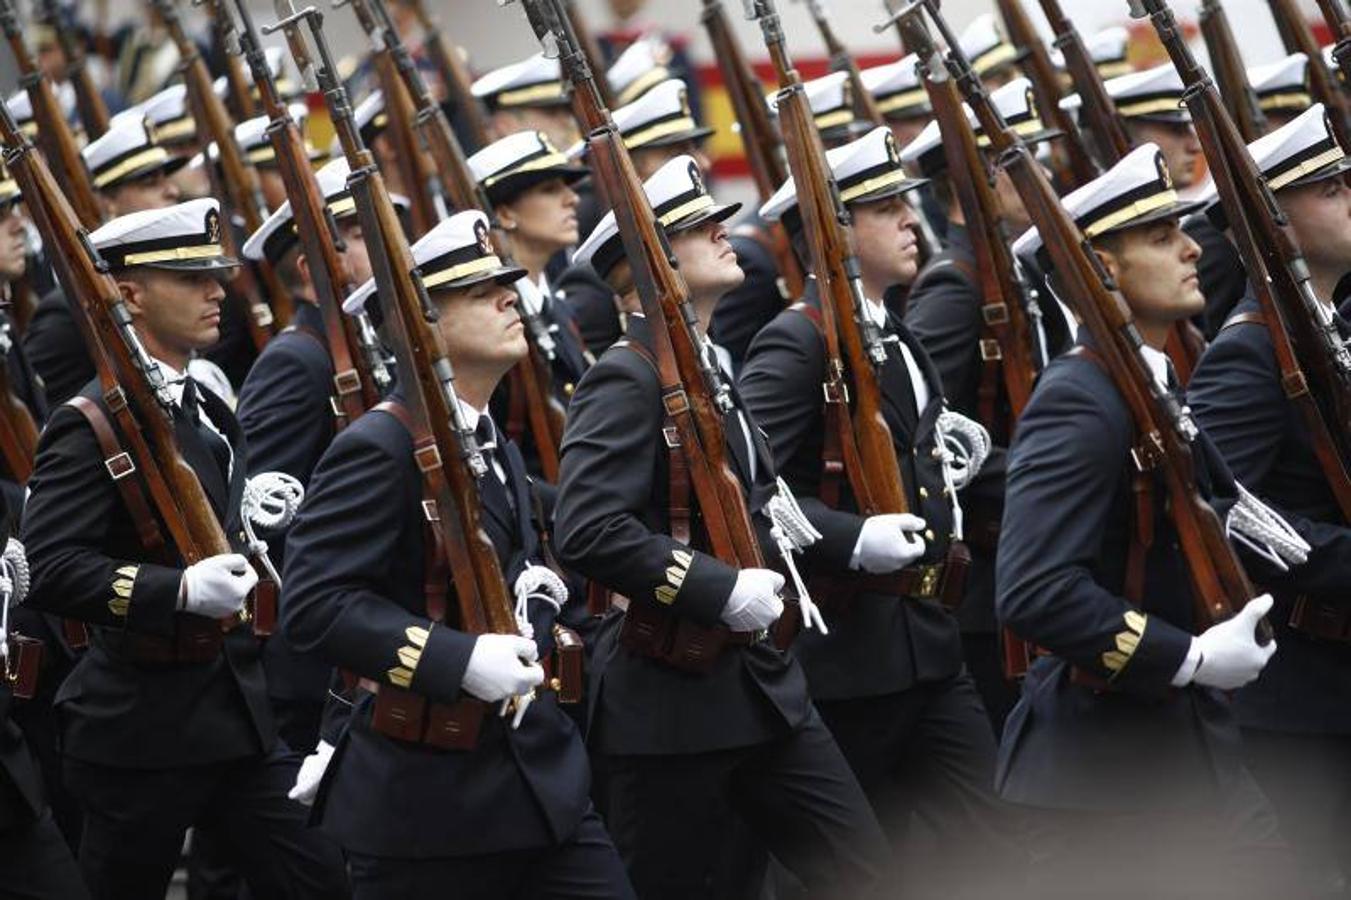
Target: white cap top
896,88
536,81
1283,84
457,252
866,169
638,68
1153,93
984,45
277,234
1016,102
1107,49
20,106
1303,150
680,200
169,114
660,116
1138,189
127,150
276,64
831,98
183,236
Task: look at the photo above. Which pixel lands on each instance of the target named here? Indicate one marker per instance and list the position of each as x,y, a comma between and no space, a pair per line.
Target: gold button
569,388
936,452
928,534
923,492
947,491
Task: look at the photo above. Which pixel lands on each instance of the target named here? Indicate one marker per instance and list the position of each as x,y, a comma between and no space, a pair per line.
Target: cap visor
890,190
680,137
1329,171
166,167
205,264
514,185
718,213
502,275
1179,115
1172,211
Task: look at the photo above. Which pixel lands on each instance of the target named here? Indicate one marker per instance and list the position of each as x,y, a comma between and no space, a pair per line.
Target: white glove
216,586
888,543
311,772
501,666
1230,654
755,603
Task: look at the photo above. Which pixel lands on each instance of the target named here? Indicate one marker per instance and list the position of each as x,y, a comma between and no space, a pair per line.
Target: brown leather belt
942,581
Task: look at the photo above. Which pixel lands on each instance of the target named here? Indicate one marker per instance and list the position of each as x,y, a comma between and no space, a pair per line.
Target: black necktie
220,449
486,436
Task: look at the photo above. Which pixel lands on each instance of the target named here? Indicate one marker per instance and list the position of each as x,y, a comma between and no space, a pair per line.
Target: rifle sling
346,397
681,513
994,337
1296,389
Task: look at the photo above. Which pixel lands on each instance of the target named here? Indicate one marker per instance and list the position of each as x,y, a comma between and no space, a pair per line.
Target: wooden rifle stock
238,89
1315,364
18,431
1298,38
354,385
1230,73
401,129
841,60
760,141
532,375
1098,110
237,182
693,393
93,111
1000,290
1035,62
590,48
53,131
853,342
132,385
454,75
444,446
1338,22
1164,429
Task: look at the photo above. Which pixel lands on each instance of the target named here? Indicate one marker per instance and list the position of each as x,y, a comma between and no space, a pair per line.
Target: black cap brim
514,185
206,264
718,212
701,133
164,167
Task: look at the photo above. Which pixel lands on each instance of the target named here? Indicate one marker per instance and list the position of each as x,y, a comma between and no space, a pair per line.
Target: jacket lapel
224,419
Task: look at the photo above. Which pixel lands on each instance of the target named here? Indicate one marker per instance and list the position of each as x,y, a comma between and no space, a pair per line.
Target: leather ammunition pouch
22,666
657,633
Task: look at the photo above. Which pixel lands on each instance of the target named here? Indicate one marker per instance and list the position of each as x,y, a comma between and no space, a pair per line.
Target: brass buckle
928,581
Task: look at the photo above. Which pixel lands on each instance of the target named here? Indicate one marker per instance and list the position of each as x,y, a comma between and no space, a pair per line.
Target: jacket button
936,452
923,492
569,388
928,534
